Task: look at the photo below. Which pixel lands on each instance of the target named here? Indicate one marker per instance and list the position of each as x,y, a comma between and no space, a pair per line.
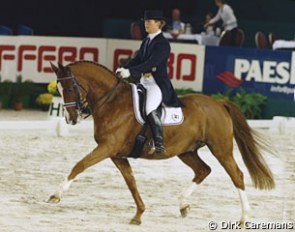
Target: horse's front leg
125,168
98,154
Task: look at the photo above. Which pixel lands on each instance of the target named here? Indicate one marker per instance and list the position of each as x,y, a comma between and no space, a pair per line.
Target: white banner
30,56
185,65
119,50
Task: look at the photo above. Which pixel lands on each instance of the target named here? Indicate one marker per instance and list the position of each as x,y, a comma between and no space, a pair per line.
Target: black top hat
153,14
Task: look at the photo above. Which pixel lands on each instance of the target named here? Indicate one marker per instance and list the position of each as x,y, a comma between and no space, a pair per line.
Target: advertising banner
120,51
271,73
185,64
30,56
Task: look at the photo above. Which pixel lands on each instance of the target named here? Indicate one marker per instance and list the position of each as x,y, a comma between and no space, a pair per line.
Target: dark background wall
97,18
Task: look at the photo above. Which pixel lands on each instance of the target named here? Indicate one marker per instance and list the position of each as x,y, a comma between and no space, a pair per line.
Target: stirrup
160,149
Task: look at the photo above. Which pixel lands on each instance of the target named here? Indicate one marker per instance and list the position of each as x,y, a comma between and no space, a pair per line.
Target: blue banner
271,73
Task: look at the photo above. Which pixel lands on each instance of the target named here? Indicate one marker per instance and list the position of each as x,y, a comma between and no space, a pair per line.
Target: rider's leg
153,100
156,128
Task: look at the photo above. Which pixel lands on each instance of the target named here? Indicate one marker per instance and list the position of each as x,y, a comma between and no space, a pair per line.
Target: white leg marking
186,194
245,204
64,186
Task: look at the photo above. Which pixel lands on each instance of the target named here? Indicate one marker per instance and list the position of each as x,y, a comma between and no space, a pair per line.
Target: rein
108,95
83,106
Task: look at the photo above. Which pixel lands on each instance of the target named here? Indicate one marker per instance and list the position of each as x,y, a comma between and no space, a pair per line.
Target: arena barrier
58,126
205,69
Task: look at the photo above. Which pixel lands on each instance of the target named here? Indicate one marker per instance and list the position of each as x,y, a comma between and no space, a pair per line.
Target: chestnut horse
206,122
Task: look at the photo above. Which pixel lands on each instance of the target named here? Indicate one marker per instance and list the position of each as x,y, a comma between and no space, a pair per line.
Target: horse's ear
54,68
61,66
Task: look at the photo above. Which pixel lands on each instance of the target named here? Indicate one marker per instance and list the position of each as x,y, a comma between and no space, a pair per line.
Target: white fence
279,125
54,125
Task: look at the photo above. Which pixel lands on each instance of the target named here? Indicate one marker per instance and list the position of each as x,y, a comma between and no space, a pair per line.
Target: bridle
83,107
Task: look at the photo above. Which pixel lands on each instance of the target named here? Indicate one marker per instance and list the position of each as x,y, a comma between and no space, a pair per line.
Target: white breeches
153,94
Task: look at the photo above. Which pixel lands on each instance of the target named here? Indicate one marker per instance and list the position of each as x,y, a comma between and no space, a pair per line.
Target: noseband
82,105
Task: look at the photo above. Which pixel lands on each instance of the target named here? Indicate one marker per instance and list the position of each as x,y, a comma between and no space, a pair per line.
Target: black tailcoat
153,59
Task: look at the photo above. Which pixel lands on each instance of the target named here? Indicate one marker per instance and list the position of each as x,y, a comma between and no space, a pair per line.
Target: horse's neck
117,102
97,82
102,89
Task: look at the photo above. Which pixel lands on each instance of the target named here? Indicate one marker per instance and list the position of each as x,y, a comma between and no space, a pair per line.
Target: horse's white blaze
244,203
60,90
186,194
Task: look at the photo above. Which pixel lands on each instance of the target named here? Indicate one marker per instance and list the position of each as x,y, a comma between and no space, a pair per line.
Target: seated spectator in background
226,14
175,25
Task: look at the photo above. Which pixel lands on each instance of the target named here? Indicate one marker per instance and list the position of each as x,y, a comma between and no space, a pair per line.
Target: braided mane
91,62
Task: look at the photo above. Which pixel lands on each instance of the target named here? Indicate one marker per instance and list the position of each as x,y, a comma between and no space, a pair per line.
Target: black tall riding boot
156,128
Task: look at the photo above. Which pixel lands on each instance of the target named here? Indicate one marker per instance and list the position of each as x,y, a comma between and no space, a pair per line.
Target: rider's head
154,21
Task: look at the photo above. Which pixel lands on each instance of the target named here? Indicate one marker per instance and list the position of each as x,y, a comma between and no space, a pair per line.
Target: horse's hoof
185,210
53,199
135,222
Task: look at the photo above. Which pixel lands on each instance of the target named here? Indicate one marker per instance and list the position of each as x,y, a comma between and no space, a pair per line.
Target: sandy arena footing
33,163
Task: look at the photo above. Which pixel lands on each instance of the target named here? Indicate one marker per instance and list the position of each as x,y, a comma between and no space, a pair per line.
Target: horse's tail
250,143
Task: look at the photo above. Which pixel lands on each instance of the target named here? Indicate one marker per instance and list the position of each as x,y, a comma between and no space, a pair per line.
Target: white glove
118,70
123,72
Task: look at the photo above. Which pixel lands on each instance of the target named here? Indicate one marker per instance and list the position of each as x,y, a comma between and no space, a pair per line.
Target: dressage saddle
140,139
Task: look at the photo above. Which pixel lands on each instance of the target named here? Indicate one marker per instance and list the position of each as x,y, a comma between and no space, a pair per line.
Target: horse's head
69,89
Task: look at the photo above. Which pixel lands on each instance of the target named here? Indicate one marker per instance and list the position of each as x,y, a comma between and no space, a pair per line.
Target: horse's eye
68,90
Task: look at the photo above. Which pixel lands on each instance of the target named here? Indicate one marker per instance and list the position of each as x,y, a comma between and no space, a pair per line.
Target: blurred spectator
205,27
175,25
226,14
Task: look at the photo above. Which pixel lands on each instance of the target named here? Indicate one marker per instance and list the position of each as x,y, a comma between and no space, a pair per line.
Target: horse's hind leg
125,168
97,155
224,155
201,170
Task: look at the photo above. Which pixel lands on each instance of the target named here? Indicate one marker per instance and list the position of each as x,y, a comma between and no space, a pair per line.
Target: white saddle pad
170,115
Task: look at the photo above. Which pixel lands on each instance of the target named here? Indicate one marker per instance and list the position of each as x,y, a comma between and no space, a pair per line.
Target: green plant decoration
180,92
249,103
20,89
